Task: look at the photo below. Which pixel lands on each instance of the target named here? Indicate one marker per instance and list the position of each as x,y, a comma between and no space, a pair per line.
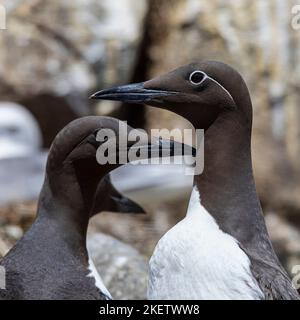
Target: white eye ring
204,77
203,74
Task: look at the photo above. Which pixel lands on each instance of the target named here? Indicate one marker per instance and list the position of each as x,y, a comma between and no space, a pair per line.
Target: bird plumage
196,260
51,260
213,96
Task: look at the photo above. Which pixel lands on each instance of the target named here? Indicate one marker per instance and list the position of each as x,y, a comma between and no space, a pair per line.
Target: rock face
66,46
123,270
286,240
54,53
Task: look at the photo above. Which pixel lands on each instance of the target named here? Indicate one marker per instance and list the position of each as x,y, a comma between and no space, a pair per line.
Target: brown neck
70,222
227,186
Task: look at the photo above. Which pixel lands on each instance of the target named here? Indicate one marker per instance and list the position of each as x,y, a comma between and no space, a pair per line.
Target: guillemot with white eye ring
51,260
221,250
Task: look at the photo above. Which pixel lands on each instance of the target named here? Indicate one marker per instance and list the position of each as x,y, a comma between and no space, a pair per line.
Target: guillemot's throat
227,184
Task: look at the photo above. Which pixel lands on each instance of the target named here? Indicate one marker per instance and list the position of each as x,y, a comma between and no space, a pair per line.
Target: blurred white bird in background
22,161
20,134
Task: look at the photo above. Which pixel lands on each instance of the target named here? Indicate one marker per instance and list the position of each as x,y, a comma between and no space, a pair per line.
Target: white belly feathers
98,280
197,260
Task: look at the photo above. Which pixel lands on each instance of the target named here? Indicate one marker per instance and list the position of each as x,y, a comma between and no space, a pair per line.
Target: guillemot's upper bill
237,260
51,260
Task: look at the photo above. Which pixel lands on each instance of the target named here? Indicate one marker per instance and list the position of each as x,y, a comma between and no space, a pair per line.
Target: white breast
98,280
197,260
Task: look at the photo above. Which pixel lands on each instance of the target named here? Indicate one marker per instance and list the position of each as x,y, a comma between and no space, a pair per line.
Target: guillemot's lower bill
51,260
221,250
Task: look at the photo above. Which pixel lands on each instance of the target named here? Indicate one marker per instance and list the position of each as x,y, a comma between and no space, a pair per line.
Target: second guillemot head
75,178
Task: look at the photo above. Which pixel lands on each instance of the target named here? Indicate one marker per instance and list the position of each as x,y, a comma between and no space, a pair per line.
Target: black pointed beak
162,148
126,205
134,93
157,147
154,149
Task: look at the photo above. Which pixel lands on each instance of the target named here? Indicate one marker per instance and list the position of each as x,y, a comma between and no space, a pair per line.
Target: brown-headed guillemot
51,260
221,249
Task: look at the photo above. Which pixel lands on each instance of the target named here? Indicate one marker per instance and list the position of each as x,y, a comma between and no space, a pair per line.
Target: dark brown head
74,178
200,90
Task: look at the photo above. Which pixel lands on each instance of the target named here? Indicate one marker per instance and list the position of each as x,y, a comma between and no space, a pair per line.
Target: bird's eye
197,77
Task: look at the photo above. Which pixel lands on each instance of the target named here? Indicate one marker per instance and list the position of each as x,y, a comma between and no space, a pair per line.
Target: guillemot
51,260
221,249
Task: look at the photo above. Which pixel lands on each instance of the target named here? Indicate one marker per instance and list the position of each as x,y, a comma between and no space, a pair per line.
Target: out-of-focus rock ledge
286,240
65,46
55,53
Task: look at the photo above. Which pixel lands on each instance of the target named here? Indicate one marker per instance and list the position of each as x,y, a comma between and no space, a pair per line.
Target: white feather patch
98,280
197,260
